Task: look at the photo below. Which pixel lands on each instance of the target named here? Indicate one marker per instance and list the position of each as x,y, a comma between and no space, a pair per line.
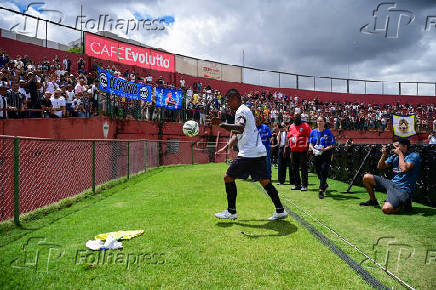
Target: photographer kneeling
400,189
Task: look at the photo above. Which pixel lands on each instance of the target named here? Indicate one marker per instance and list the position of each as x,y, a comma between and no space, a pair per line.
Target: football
191,128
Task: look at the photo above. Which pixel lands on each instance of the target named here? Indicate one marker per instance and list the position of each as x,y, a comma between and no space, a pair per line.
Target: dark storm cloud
308,37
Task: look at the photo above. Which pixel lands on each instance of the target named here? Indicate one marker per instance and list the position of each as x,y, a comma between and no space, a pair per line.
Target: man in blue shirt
265,135
400,189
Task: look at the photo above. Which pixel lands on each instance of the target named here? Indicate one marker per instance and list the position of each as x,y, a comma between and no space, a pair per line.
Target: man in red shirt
298,137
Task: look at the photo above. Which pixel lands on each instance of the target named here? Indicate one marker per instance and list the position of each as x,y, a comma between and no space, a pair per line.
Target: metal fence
35,173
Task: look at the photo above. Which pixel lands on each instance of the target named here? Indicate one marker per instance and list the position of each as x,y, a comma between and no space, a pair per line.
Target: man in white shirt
304,117
251,159
58,103
3,103
69,97
432,138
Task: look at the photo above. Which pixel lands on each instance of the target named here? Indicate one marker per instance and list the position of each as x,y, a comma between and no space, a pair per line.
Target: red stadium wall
92,128
67,128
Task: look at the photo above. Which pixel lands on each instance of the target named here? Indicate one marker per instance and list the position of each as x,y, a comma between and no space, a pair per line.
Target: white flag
404,126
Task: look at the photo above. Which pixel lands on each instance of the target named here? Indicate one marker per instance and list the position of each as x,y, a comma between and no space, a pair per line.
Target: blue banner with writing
169,99
109,83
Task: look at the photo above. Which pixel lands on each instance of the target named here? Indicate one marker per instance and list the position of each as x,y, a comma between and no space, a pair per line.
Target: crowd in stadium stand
49,90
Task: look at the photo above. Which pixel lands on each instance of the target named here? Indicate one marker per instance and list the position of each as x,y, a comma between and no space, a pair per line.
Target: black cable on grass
366,276
371,280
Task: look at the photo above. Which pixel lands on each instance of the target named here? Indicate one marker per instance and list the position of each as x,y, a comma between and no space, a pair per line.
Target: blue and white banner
109,83
404,126
169,99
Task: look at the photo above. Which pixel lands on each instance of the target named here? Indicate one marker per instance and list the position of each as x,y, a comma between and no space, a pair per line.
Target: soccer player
251,157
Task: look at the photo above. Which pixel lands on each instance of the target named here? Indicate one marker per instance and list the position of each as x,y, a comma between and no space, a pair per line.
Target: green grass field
185,246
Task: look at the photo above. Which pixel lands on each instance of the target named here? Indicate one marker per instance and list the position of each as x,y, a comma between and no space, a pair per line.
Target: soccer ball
191,128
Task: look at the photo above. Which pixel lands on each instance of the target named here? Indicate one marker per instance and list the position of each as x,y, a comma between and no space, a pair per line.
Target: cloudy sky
312,37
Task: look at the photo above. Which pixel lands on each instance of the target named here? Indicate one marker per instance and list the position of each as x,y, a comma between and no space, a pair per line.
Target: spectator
46,105
51,86
283,155
81,66
298,136
33,86
4,59
265,135
80,86
432,138
400,189
58,103
77,106
67,64
69,97
321,142
14,102
56,63
274,147
3,103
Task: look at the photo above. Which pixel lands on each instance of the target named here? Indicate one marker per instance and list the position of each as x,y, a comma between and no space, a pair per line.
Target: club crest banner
404,126
169,99
109,83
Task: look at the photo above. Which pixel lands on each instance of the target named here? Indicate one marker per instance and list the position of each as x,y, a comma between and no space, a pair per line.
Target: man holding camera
400,189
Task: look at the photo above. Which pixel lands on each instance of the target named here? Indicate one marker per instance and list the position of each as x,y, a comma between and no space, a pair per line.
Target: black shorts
242,167
395,195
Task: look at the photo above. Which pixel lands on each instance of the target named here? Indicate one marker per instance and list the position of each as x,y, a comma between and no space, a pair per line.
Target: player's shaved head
233,93
233,99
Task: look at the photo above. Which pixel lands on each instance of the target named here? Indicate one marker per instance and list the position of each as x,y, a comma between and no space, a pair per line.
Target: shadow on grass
282,227
354,192
419,210
335,196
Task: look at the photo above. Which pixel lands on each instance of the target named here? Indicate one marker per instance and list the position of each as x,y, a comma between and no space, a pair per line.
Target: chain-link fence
36,173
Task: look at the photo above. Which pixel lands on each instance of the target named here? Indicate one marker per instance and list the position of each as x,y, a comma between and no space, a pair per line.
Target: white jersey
249,142
57,104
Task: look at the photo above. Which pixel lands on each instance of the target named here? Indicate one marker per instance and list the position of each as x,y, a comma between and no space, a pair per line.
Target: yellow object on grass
120,235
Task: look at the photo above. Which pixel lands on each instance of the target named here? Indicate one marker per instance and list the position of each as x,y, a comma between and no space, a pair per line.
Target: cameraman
400,189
